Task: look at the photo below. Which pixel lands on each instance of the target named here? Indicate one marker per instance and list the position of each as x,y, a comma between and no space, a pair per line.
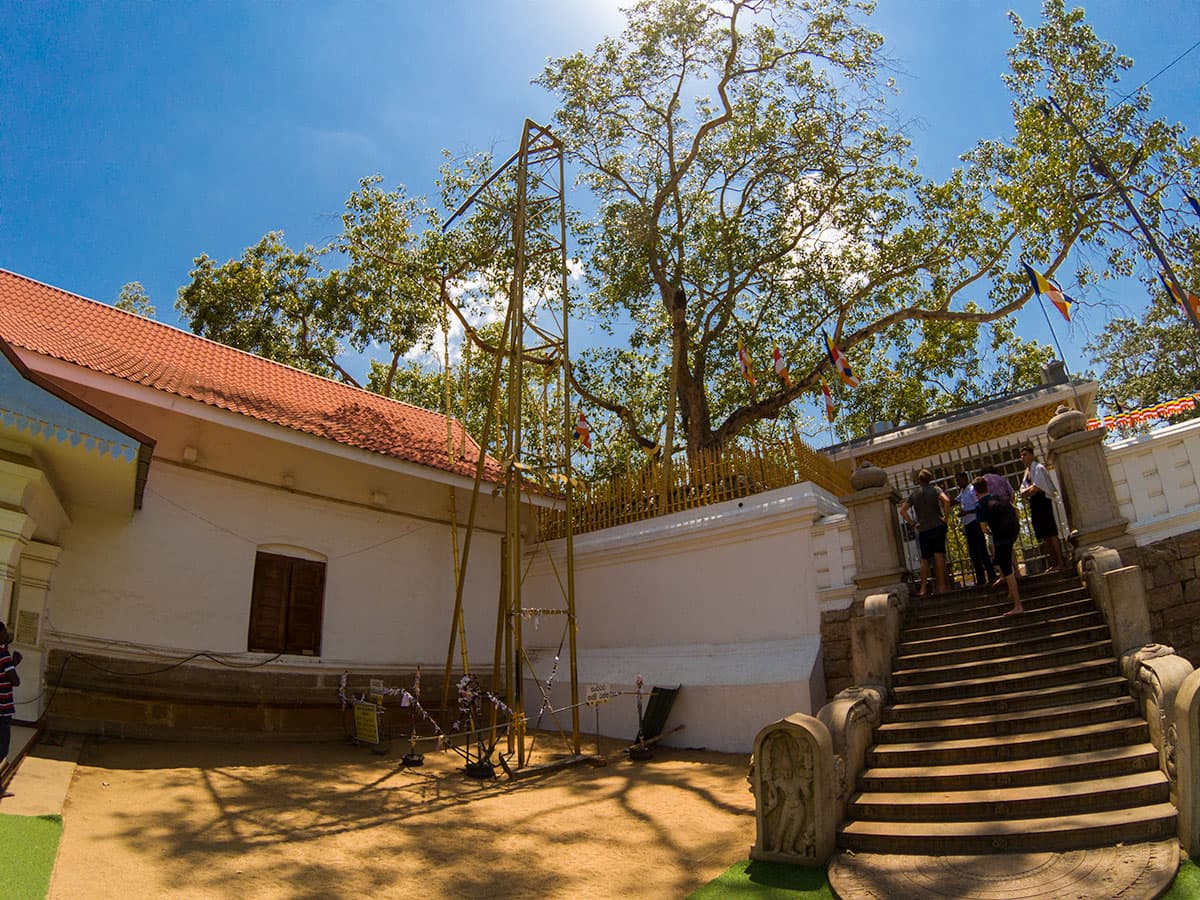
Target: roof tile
55,323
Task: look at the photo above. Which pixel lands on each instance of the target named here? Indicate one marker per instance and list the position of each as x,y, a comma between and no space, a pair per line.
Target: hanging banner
1144,415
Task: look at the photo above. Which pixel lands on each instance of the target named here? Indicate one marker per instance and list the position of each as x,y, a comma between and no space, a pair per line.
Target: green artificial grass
763,879
28,845
1186,885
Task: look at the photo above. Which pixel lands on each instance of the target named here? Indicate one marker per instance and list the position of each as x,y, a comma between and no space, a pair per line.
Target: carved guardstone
792,779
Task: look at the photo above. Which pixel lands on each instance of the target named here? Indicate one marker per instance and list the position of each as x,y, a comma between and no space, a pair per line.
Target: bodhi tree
749,186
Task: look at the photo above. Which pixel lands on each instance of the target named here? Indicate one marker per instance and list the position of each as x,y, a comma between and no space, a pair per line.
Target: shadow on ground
322,820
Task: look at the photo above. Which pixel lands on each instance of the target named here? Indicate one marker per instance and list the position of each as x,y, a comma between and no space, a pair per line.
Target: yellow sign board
366,723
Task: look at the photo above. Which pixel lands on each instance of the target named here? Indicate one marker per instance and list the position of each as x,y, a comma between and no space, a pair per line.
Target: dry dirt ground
147,819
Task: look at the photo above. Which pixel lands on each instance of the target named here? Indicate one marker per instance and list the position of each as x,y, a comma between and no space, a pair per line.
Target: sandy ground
147,819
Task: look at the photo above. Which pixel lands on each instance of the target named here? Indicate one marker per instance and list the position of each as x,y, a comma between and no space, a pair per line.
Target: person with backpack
998,517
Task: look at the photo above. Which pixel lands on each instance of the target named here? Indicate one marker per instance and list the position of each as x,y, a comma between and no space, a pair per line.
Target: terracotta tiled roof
55,323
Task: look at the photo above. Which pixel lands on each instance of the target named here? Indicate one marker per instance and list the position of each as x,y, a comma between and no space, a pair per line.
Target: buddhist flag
1044,287
781,367
744,362
829,409
1193,300
1193,201
841,365
583,430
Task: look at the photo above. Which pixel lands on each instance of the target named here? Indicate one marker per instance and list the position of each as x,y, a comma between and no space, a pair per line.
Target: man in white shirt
966,501
1038,490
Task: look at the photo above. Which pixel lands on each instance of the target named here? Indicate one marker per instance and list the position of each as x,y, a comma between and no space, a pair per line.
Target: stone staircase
1008,734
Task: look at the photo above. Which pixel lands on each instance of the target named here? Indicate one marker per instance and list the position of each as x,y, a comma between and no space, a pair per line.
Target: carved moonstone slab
792,779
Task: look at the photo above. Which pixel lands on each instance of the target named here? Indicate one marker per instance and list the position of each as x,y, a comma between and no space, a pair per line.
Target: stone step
1006,665
974,624
1003,629
1024,802
1053,833
1044,637
1110,762
961,707
1079,739
993,605
1033,586
986,685
1002,724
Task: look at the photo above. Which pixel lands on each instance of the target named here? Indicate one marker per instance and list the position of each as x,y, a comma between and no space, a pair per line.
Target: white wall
1154,476
178,574
723,600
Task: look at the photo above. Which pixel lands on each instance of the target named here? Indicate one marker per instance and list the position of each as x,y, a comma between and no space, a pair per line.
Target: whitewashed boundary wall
725,601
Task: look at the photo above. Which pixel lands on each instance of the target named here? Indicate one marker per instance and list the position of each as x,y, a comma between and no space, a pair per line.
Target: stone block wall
96,694
1171,569
835,647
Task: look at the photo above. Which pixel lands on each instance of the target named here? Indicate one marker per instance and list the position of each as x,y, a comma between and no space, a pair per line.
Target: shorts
932,541
1041,514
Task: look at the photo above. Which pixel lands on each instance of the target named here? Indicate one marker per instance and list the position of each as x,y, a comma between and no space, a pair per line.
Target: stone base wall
835,647
92,694
1171,569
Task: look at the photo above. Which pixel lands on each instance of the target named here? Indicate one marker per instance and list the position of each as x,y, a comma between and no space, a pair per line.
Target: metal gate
1005,458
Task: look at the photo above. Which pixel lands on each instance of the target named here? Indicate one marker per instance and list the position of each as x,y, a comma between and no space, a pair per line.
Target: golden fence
712,476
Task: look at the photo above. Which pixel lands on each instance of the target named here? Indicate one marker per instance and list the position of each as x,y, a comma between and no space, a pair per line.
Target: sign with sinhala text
599,693
366,723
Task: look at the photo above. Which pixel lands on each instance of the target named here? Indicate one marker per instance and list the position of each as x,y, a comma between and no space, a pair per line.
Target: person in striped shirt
9,679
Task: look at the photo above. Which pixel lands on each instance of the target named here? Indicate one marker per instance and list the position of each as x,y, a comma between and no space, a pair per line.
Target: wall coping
771,512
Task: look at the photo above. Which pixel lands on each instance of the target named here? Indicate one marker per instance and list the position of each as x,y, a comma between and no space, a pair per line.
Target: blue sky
134,136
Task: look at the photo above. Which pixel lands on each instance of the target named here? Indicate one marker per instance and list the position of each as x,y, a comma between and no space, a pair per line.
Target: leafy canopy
750,185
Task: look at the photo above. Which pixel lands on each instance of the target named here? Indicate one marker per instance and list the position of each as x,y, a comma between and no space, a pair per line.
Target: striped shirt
6,689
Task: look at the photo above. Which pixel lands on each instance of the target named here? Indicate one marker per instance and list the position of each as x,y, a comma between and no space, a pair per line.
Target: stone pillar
793,781
851,718
1088,493
28,625
1156,675
875,527
1187,761
873,641
16,528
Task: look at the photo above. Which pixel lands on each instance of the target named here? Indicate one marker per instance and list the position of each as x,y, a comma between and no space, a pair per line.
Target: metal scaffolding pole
535,177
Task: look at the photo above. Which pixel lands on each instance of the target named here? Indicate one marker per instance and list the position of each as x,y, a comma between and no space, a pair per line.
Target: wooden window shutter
305,608
269,603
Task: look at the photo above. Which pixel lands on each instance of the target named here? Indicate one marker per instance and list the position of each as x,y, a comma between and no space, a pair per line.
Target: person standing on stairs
9,679
995,511
966,501
1039,492
932,508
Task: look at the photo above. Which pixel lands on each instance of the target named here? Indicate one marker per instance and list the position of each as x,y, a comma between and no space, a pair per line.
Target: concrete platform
1131,872
40,785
